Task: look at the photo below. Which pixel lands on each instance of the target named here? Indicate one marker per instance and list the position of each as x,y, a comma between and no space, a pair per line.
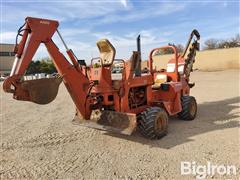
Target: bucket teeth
123,123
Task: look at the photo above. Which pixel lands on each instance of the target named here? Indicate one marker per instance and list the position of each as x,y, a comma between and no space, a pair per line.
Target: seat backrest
107,52
171,67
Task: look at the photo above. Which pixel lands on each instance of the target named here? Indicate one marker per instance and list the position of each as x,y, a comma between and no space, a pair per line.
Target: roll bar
175,58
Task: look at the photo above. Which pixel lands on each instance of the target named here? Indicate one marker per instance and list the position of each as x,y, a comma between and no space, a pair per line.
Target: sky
84,22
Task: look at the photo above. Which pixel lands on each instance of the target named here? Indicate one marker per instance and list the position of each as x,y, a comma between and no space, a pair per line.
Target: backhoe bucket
123,123
42,91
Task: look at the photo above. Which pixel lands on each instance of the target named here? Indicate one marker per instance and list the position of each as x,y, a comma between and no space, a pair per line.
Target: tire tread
185,113
146,123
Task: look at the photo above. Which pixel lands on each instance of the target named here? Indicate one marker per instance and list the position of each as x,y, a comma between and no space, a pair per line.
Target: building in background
6,58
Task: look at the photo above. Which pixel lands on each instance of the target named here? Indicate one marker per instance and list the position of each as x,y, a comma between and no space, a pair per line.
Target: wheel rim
160,123
193,108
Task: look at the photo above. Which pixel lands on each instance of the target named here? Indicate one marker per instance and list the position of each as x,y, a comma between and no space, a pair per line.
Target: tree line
44,65
179,47
209,44
222,43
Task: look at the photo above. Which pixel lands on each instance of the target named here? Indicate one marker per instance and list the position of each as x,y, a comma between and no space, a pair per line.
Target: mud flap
123,123
42,91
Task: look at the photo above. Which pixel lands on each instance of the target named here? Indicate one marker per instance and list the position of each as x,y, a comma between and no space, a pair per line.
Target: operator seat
161,78
107,52
158,80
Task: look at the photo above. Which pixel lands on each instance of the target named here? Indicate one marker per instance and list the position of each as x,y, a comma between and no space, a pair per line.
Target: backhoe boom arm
35,32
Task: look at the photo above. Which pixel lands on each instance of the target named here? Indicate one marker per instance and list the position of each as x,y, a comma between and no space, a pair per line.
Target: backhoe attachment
40,91
34,32
78,83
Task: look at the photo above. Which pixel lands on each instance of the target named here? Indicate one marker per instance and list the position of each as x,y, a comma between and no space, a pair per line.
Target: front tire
189,108
153,123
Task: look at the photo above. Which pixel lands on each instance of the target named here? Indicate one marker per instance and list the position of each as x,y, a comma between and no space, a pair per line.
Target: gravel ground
41,142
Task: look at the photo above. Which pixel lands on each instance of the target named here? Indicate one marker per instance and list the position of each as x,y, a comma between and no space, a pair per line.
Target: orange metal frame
80,86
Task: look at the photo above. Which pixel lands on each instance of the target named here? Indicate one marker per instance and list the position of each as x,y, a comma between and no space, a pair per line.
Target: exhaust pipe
138,64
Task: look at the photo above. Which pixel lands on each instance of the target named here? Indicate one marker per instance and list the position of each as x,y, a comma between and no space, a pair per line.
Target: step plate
123,123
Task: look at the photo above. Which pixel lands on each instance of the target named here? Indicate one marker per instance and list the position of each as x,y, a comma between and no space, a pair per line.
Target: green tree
44,65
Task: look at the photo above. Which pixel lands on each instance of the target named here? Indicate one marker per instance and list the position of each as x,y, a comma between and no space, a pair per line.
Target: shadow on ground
211,116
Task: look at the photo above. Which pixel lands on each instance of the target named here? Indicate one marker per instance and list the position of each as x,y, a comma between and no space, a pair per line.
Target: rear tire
153,123
189,108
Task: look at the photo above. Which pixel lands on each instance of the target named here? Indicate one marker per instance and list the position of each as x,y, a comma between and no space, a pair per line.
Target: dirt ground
41,142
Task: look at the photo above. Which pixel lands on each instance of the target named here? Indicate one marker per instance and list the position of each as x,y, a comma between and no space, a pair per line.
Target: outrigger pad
123,123
42,91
